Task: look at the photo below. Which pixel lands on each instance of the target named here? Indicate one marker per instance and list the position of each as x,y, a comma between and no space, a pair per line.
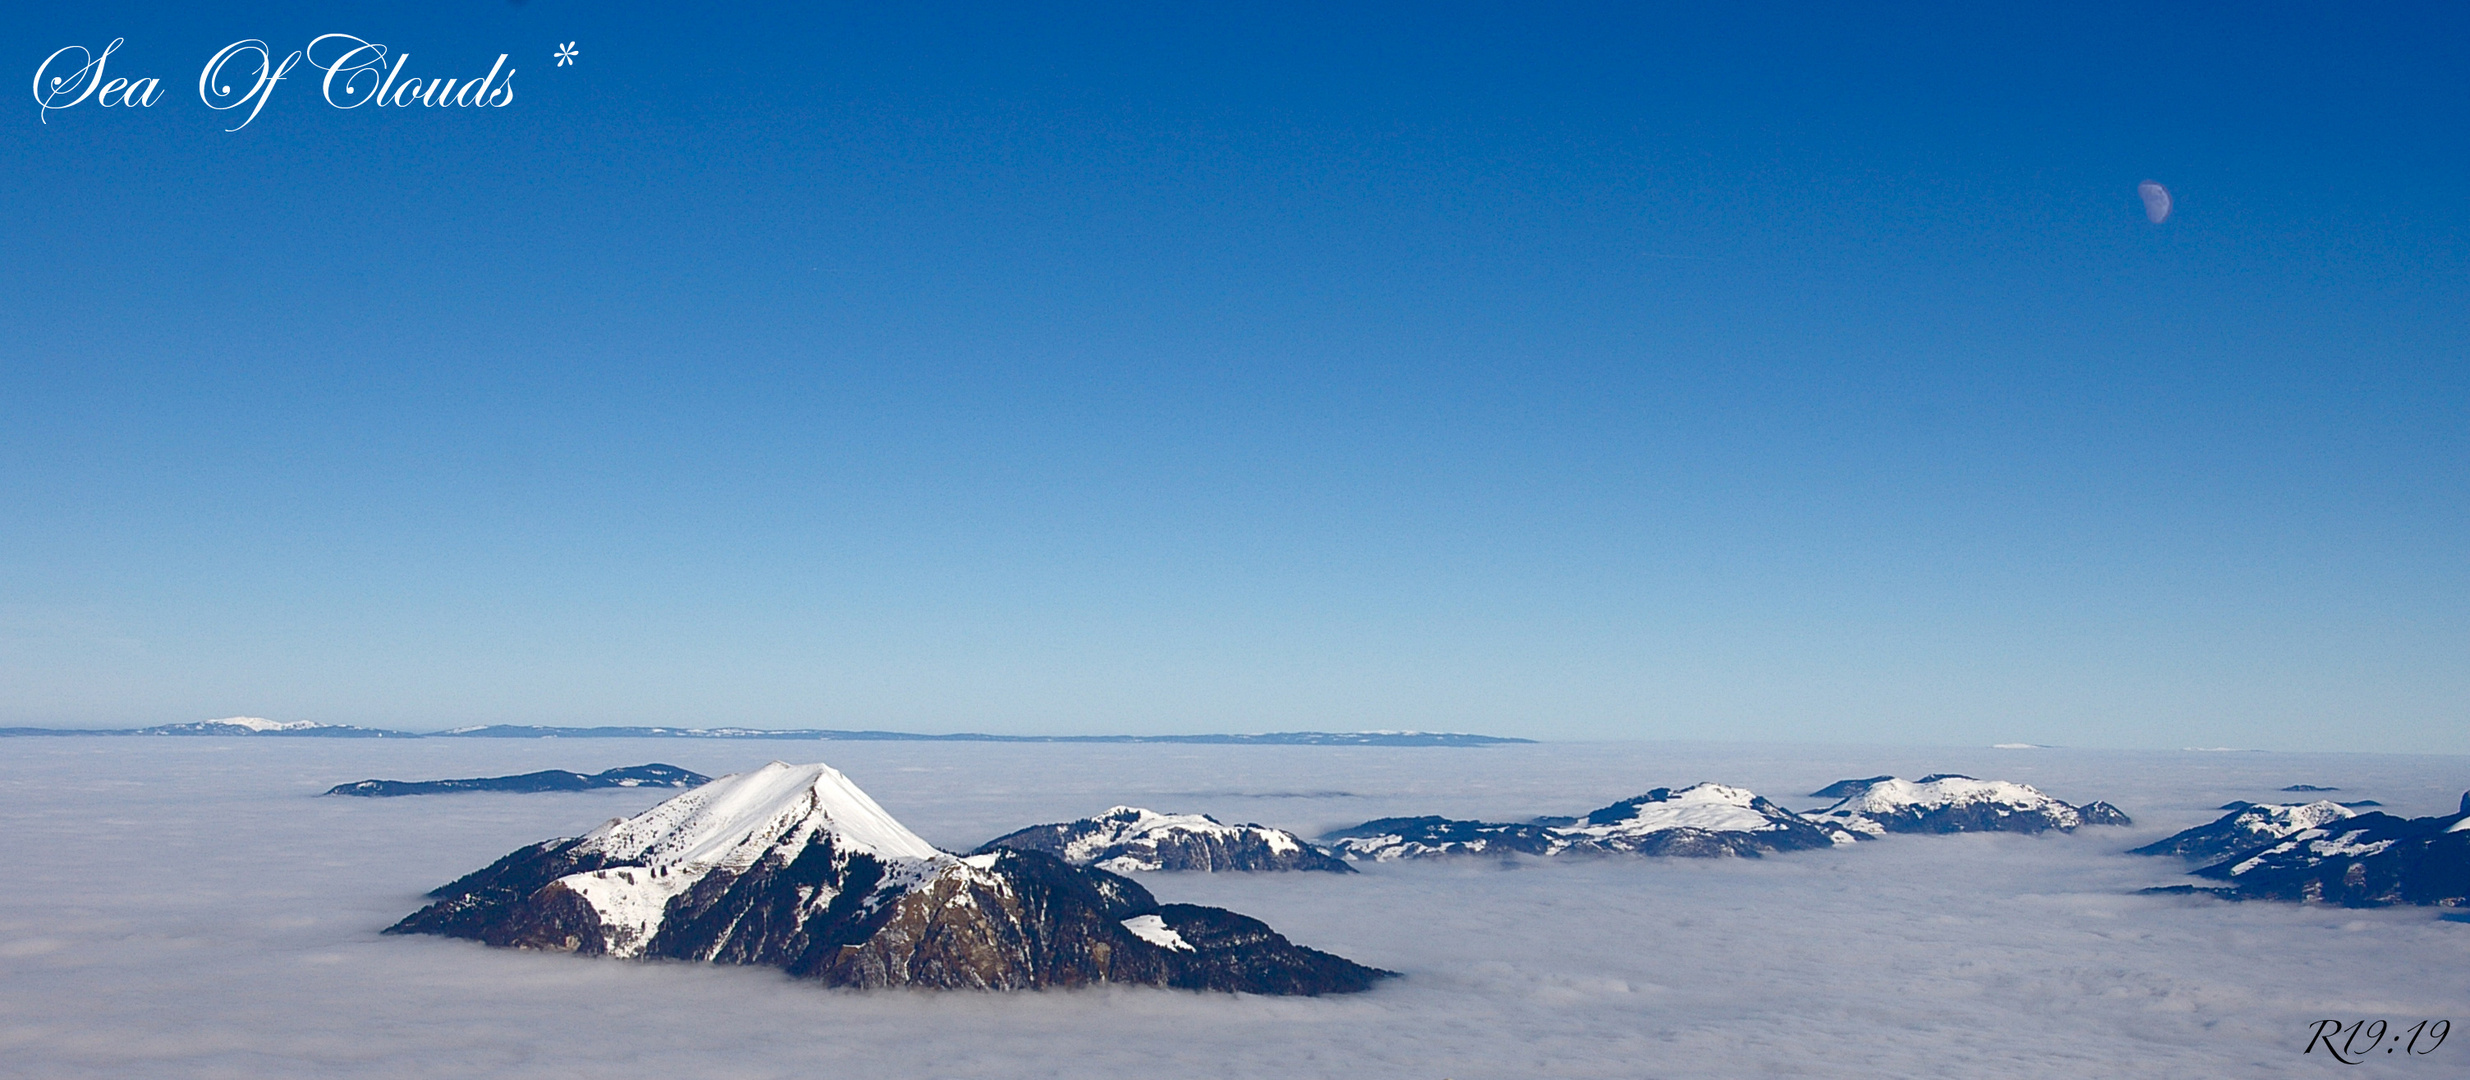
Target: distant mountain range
254,726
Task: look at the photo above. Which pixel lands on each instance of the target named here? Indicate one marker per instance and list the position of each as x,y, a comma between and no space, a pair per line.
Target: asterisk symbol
566,54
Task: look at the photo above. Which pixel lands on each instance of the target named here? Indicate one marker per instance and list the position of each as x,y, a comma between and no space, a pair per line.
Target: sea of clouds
187,907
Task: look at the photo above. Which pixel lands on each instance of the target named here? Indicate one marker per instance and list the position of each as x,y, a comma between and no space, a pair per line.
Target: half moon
2156,201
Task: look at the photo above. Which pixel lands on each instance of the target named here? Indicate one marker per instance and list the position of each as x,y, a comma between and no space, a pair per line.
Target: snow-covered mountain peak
734,819
1952,802
1709,806
1945,789
2287,818
1133,821
2246,828
1130,839
1707,792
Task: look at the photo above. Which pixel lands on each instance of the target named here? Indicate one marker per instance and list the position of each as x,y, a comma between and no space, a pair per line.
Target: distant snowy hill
633,776
1389,839
252,725
1128,839
1951,802
1700,821
230,725
2324,852
792,866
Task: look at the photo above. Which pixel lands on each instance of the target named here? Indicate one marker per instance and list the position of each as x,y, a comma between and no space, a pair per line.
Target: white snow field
185,907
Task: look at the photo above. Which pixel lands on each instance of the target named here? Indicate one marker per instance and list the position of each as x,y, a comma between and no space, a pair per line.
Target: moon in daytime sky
2156,201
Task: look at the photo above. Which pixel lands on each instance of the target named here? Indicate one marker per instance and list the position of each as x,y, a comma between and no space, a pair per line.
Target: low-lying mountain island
2328,852
792,866
655,775
1128,839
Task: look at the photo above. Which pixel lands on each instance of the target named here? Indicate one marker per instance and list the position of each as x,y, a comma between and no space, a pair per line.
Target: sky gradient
1762,372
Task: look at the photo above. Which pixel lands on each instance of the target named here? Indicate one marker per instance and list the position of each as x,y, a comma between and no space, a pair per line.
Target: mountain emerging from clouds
2327,853
792,866
1953,802
1433,837
2247,827
1128,839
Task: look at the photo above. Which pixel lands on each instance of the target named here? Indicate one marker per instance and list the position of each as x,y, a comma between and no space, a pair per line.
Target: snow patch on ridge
1154,930
630,902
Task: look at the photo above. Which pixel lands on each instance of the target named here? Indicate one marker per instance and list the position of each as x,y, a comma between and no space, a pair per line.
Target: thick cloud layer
186,908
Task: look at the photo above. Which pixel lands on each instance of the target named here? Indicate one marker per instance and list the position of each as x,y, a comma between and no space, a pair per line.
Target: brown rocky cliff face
1000,932
554,920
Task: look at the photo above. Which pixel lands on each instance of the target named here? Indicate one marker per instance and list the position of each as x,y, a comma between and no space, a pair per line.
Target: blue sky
1767,372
